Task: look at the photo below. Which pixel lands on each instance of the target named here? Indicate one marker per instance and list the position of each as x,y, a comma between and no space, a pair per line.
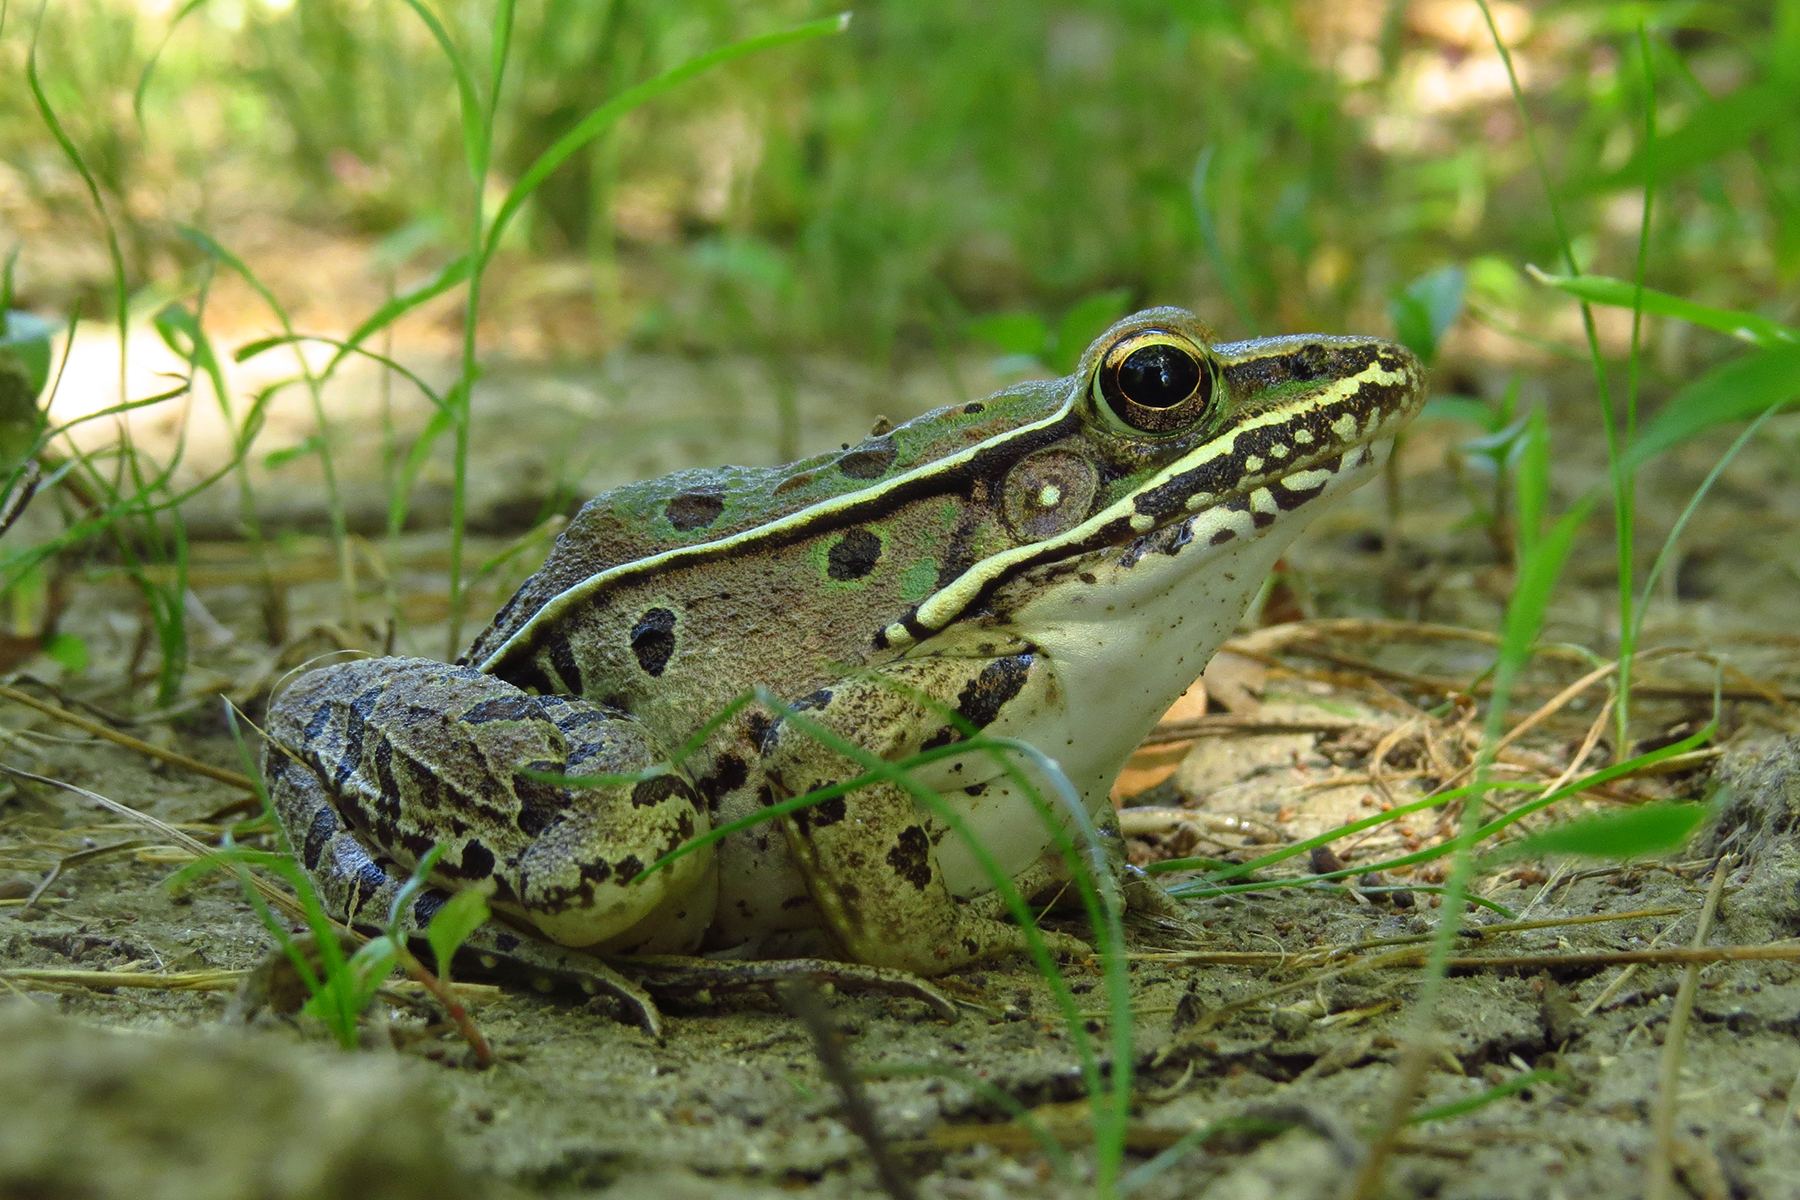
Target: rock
87,1114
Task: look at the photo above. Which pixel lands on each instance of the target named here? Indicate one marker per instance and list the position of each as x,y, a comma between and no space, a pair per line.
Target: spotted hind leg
372,763
360,888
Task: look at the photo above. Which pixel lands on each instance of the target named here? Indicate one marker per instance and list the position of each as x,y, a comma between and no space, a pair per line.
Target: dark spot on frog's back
501,708
854,555
694,510
826,812
324,824
728,774
477,861
869,460
911,857
427,906
541,804
999,681
653,640
655,790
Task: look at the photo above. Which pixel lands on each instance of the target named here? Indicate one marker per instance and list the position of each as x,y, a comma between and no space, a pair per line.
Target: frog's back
688,508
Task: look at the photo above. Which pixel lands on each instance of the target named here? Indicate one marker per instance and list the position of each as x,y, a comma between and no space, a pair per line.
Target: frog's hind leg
361,888
372,763
869,857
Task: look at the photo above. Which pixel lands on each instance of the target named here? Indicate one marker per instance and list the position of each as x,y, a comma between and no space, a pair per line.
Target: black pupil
1158,376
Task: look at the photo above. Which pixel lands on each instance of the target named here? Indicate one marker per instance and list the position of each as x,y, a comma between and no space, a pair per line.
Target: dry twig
126,740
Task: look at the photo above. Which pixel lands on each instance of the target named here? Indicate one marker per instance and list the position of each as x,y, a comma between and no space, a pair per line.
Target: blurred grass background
871,193
841,227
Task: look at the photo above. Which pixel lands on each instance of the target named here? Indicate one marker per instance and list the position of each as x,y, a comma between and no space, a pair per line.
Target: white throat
1127,646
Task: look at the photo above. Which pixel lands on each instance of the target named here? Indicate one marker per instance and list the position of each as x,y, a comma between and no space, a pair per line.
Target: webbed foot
675,972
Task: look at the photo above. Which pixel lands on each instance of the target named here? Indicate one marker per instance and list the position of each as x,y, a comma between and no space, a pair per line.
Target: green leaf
1426,310
67,651
1732,391
1533,484
27,338
143,84
468,105
1083,323
1499,1091
1020,333
180,331
279,458
1209,234
1647,829
746,260
452,924
1620,293
369,968
1540,565
250,350
397,248
451,274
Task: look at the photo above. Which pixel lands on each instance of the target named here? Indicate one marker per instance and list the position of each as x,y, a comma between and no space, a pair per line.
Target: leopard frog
1054,563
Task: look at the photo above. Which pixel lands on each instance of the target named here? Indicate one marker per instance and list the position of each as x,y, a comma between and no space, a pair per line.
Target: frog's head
1172,474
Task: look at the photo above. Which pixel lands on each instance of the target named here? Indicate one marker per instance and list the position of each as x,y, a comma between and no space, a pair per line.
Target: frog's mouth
1252,511
1273,466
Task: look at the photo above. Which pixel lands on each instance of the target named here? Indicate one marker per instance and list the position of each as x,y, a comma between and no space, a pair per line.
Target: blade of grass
1540,564
1670,542
1500,1091
1749,327
1618,470
315,387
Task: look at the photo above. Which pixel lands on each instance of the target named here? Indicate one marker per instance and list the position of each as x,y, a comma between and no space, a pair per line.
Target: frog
1052,565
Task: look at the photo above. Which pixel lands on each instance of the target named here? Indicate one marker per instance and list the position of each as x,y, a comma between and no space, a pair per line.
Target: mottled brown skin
888,593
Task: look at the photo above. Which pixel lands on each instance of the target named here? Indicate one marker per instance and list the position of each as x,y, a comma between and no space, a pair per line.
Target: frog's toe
640,1002
495,949
673,972
1065,944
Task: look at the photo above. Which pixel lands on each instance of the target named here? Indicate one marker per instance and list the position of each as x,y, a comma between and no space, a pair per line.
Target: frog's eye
1156,381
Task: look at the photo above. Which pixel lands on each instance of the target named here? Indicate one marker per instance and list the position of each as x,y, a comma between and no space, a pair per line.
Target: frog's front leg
372,763
869,858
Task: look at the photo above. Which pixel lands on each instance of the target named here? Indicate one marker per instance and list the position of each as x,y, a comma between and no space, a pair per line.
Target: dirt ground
122,1091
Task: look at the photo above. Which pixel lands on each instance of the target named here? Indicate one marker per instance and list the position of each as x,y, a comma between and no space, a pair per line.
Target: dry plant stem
1413,958
197,981
803,1002
442,991
165,981
1240,724
130,743
1659,1179
274,895
1778,952
1275,637
1331,953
